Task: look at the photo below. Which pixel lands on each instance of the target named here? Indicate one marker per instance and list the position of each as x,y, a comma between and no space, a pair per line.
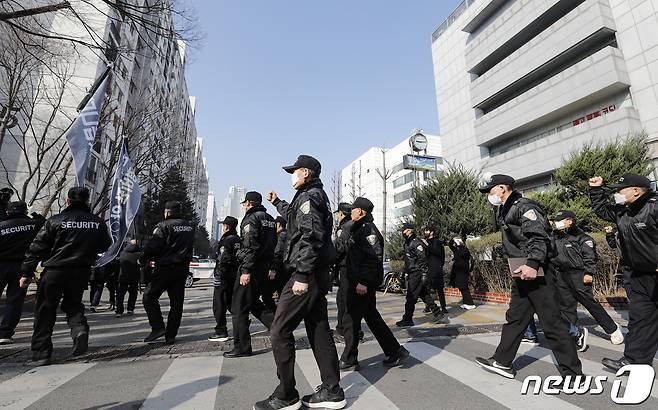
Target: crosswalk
440,374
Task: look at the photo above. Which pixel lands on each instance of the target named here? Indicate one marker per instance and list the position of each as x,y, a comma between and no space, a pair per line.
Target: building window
404,179
404,195
402,212
91,169
398,167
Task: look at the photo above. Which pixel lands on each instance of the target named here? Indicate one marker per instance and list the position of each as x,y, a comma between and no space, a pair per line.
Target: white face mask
620,199
295,179
495,200
560,225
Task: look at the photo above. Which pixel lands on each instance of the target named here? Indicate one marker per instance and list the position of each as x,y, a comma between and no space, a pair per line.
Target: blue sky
331,78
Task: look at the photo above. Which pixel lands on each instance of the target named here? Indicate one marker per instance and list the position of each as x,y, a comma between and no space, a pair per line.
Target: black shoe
219,337
80,344
38,362
396,359
325,398
118,314
347,367
361,336
615,365
235,353
92,309
112,307
274,403
130,313
404,323
444,310
427,310
154,335
169,341
495,367
440,319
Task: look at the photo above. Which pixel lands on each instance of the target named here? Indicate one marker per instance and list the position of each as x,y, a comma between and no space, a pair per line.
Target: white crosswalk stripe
25,389
504,391
360,394
188,383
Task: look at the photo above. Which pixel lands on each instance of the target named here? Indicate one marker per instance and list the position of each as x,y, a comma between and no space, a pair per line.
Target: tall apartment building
211,219
364,177
522,83
147,102
232,205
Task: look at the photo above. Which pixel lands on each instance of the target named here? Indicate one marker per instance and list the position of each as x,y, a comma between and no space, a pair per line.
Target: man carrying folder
524,230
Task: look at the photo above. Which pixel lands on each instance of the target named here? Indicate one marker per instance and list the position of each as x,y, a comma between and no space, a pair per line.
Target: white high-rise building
232,205
364,177
211,218
521,84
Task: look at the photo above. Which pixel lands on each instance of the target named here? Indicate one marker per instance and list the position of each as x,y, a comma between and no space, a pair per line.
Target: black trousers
572,291
416,289
268,288
310,307
537,296
642,338
467,299
171,279
95,292
66,286
341,302
438,285
221,303
10,275
365,307
112,286
127,287
246,300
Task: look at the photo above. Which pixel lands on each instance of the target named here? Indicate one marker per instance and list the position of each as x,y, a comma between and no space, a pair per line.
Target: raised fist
596,181
271,196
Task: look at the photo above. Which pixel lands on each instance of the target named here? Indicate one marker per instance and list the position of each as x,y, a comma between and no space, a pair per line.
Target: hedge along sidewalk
611,302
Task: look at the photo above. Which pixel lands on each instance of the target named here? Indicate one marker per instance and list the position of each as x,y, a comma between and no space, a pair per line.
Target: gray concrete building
520,84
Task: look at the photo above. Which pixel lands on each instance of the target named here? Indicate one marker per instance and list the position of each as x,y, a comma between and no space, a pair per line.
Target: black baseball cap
230,221
562,215
344,207
17,208
305,161
631,180
252,196
406,226
7,191
281,220
78,194
175,206
363,203
494,180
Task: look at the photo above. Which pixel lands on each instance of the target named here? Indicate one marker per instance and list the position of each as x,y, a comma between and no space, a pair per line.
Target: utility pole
384,174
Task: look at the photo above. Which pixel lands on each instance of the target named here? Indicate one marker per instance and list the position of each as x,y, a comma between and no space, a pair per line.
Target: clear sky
331,78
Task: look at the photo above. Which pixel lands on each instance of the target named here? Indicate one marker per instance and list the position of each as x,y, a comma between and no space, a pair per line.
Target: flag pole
94,87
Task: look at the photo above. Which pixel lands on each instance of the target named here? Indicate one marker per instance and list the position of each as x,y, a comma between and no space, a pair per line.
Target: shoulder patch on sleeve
530,214
306,207
589,243
420,248
372,239
222,249
338,233
156,230
246,229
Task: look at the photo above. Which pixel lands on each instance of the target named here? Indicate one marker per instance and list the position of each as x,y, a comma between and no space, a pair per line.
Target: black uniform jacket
70,240
574,251
16,235
172,243
365,254
309,249
637,224
226,267
415,256
258,231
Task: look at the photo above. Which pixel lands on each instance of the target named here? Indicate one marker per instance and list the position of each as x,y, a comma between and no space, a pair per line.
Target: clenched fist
596,181
271,196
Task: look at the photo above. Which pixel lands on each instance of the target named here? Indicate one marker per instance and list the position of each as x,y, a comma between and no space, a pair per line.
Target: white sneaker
468,307
6,341
617,337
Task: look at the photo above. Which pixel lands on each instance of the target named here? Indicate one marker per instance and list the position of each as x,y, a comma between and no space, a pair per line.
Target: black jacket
574,251
309,249
365,254
172,243
637,224
415,257
524,230
436,256
129,269
279,261
226,267
70,240
461,265
258,231
341,242
16,235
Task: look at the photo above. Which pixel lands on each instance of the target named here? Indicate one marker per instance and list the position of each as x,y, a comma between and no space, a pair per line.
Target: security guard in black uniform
575,262
418,278
636,214
16,235
170,248
67,245
278,272
255,258
524,230
365,270
5,197
226,270
344,217
309,257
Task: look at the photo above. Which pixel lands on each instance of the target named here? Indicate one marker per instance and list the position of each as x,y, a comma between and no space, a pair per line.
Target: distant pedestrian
436,258
462,265
96,286
67,246
5,197
128,281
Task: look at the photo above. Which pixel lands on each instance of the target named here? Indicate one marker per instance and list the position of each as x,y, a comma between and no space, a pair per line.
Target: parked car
200,268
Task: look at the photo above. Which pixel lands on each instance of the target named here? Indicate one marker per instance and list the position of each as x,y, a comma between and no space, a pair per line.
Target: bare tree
385,174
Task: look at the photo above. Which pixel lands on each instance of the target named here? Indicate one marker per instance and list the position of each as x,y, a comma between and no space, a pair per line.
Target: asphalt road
120,372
